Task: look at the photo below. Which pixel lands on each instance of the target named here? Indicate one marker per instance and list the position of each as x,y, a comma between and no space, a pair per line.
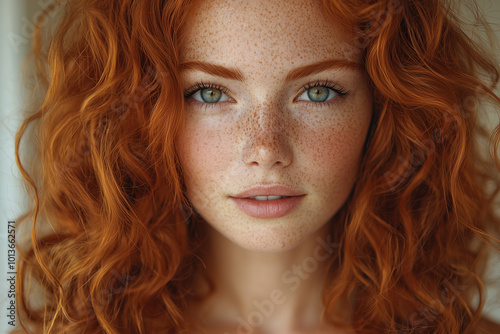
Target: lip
268,209
270,190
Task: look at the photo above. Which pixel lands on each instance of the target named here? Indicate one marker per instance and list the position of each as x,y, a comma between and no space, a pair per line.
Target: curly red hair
118,255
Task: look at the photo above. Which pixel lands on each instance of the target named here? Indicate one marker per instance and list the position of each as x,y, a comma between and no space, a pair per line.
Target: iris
210,95
318,94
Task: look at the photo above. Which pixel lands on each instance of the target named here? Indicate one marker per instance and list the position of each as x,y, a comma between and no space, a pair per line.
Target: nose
267,144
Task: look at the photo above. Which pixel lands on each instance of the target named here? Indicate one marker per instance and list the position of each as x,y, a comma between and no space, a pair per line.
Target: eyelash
200,86
341,92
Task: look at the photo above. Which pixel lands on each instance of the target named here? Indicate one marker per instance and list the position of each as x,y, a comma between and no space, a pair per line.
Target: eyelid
340,91
202,85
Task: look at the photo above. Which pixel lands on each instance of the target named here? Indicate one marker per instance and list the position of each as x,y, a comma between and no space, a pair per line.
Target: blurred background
17,18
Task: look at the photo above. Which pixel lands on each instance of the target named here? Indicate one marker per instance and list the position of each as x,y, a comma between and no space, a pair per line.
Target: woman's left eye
318,94
210,95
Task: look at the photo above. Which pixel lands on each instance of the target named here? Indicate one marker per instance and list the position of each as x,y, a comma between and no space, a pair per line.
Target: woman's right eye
210,95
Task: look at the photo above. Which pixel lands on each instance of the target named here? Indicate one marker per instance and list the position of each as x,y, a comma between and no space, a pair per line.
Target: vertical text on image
11,273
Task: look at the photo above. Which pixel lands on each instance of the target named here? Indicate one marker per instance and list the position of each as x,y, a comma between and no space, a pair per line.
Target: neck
264,291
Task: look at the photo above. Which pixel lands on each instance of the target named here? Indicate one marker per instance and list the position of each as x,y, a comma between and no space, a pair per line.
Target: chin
272,236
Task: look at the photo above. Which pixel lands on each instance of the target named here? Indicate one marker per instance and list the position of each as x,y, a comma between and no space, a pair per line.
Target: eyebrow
297,73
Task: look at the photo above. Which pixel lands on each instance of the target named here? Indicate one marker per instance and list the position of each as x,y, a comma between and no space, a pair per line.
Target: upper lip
268,190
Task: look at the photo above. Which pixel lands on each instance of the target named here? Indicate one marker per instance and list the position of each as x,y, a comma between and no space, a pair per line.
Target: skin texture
265,132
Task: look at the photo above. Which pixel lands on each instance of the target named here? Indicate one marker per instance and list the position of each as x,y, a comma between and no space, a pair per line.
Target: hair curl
118,257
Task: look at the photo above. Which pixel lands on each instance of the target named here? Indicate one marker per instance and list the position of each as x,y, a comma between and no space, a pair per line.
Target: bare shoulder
487,326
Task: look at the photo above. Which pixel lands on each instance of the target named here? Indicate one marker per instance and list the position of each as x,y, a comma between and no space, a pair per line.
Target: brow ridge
297,73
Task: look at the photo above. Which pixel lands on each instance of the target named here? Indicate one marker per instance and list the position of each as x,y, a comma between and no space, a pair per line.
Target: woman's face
278,105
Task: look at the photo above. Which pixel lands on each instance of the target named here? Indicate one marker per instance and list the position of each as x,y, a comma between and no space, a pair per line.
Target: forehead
265,32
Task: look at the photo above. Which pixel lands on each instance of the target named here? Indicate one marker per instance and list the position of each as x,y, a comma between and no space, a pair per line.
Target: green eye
210,95
318,94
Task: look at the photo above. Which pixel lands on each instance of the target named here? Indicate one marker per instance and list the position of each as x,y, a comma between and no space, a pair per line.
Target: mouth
272,201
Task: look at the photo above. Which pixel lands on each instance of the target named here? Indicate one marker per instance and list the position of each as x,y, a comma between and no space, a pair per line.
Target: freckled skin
265,135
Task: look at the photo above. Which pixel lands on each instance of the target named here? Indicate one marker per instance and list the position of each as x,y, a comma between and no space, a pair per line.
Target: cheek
204,152
202,144
333,152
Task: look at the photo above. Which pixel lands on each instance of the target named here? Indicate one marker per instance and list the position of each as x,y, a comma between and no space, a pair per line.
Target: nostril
268,152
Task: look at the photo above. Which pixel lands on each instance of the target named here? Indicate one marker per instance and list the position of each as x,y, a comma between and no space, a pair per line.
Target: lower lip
268,209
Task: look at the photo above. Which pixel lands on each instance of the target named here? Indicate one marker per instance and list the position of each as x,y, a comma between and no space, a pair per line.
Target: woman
259,167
